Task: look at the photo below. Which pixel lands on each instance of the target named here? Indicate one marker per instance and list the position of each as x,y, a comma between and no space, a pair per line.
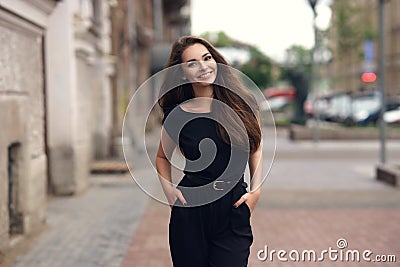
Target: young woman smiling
213,121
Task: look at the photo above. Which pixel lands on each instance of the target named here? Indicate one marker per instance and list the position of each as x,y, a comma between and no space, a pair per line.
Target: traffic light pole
382,84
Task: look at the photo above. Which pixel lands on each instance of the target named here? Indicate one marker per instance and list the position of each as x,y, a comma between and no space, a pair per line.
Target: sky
271,25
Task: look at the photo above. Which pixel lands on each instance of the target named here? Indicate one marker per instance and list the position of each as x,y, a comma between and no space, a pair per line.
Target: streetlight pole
313,3
382,84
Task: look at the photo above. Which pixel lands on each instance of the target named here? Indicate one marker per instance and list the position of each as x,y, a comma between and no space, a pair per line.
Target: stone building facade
67,72
142,35
79,67
23,155
361,24
55,105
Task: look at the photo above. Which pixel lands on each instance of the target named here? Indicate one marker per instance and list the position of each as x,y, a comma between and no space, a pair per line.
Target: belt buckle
215,185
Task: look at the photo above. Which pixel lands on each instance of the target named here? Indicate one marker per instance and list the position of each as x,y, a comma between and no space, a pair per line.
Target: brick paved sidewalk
295,229
315,195
91,229
284,229
149,246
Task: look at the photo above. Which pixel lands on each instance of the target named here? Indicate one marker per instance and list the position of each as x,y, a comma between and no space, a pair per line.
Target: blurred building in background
23,114
68,70
354,42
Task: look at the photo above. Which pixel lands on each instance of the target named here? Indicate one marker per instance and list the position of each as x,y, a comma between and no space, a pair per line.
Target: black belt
217,185
199,190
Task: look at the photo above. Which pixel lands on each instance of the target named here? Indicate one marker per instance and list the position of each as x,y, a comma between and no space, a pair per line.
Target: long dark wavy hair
237,97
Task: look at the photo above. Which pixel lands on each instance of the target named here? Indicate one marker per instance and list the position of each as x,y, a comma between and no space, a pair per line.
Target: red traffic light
368,77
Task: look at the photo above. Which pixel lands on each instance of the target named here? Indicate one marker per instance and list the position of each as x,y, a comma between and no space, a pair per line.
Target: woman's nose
202,65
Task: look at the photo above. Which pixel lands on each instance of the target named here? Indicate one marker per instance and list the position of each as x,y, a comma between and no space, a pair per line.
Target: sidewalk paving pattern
91,229
314,195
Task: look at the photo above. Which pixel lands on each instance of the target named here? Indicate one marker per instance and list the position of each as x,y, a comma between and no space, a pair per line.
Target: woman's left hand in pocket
250,200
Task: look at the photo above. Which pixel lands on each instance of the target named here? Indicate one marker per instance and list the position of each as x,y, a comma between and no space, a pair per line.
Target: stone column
68,124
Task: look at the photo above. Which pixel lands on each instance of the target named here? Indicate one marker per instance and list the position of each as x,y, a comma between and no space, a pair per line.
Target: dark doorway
14,213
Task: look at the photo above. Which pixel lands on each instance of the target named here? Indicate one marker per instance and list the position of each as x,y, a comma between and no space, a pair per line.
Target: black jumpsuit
208,234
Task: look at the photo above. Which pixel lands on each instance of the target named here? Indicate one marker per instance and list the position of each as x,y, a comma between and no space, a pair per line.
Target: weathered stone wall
22,121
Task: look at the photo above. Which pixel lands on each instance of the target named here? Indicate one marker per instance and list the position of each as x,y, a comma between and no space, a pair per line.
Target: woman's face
198,65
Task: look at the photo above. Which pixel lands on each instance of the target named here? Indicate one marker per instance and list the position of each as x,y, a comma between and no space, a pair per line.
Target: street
315,195
85,86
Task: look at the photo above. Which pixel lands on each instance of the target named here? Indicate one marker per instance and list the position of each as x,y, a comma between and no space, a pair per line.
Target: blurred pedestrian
210,117
299,80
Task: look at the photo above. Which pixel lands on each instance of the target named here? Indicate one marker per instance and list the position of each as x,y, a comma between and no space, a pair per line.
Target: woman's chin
205,82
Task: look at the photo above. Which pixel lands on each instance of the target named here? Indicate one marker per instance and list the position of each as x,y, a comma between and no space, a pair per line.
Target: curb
298,132
109,166
389,174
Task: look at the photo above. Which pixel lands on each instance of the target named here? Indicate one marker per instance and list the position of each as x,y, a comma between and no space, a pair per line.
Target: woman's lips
205,75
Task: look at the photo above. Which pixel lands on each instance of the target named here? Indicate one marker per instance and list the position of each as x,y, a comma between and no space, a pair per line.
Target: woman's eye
192,64
207,58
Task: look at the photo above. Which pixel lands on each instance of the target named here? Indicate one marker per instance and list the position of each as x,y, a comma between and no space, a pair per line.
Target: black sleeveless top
206,154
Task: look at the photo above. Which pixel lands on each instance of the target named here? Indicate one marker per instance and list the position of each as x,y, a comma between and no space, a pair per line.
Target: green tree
353,27
258,68
221,39
297,57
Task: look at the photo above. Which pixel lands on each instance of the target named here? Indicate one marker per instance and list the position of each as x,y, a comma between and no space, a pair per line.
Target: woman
209,225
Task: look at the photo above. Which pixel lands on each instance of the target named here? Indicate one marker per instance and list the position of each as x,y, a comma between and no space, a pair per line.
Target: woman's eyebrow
201,56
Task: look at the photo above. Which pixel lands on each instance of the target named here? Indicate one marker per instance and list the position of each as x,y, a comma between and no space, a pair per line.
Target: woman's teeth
205,75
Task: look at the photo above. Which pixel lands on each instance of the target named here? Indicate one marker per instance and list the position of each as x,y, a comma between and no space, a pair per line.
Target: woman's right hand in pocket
173,194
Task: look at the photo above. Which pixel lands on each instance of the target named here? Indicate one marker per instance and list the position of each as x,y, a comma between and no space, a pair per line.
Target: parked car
288,92
359,108
333,107
392,117
280,99
310,105
366,108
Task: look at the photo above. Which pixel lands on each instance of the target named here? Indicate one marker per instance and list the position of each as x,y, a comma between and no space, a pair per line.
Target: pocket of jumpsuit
175,223
240,216
177,204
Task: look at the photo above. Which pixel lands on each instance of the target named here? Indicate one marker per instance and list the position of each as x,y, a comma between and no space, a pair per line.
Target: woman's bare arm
256,170
255,166
166,148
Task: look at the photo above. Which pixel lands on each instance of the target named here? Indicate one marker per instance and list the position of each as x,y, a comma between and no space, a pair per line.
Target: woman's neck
203,91
198,104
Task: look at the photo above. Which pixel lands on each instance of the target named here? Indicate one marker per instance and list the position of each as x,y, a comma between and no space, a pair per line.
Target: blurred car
280,99
359,108
309,104
315,107
281,105
392,117
366,108
288,92
334,107
339,108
